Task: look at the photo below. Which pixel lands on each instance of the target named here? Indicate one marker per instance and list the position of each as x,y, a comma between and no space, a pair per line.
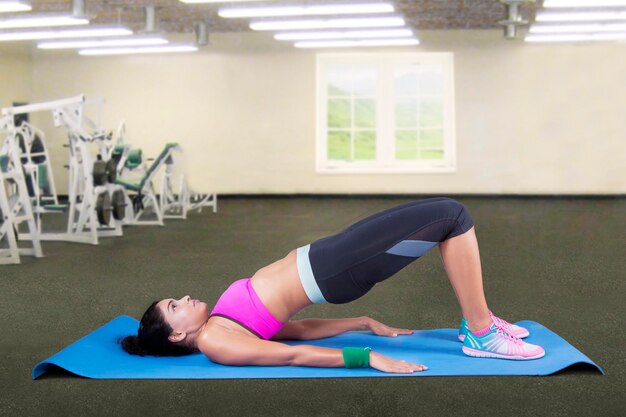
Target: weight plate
119,205
99,173
103,208
111,168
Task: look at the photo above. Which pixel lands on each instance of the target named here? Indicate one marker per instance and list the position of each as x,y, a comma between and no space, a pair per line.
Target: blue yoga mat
98,355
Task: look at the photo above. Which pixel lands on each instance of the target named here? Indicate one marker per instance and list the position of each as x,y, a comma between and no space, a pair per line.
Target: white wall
529,118
15,76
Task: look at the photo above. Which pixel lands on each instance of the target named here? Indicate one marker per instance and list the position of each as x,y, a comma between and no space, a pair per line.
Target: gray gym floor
560,262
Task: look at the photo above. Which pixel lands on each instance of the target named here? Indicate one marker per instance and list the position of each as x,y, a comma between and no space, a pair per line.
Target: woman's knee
463,221
452,206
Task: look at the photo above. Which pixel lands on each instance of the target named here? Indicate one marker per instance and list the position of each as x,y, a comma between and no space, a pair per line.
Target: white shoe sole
482,354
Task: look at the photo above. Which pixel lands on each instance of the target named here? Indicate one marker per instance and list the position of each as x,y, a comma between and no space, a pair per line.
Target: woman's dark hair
152,337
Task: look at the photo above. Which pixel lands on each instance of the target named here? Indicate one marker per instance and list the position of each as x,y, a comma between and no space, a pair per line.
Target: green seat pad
151,170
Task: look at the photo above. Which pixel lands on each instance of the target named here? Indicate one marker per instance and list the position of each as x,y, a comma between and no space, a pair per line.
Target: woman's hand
383,330
387,364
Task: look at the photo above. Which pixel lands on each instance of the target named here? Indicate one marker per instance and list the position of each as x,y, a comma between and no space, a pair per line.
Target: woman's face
185,314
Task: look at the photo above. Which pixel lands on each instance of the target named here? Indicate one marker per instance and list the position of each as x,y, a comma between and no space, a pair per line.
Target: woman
253,314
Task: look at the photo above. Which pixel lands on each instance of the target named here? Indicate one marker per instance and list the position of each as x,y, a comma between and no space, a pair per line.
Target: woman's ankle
477,325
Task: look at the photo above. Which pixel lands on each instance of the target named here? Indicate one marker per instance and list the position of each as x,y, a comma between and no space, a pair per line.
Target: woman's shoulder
218,339
219,333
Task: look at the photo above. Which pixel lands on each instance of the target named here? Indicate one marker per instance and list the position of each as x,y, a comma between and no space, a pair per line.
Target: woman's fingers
383,330
414,367
409,369
387,364
395,332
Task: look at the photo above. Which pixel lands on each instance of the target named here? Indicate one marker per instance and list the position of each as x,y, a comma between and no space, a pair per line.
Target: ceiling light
103,43
42,21
584,3
140,50
580,16
356,43
93,31
333,9
576,37
14,6
578,28
348,34
327,23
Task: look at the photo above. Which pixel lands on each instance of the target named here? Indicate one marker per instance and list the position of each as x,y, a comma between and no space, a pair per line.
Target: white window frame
385,162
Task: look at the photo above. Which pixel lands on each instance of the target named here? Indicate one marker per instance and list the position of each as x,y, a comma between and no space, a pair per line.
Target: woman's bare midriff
278,287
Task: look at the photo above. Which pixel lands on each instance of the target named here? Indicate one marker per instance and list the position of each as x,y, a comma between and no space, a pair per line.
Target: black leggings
348,264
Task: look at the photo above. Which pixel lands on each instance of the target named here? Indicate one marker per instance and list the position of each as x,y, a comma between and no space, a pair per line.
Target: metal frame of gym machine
170,205
82,224
143,199
15,206
42,202
177,205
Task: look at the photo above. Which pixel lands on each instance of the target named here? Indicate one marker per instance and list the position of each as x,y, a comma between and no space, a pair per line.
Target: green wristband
354,357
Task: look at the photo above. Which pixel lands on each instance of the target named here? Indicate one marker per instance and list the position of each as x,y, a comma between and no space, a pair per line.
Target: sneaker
512,329
499,344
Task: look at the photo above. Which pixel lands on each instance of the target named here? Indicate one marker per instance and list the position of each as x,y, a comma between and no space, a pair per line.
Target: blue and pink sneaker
512,329
497,343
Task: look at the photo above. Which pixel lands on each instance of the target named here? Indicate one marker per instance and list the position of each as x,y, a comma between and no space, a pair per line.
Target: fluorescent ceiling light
327,23
620,27
103,43
580,16
333,9
140,50
583,3
42,21
348,34
14,6
93,31
356,43
576,37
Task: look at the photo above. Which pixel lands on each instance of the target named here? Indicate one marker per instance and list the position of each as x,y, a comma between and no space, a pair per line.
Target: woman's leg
345,266
348,264
461,259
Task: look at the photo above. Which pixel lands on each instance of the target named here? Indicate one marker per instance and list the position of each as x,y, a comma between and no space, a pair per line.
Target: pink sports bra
241,304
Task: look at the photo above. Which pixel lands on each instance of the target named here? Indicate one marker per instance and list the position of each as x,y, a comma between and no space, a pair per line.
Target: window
382,113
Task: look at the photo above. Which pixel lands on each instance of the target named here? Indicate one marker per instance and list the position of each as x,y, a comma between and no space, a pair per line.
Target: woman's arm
239,349
309,329
320,328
